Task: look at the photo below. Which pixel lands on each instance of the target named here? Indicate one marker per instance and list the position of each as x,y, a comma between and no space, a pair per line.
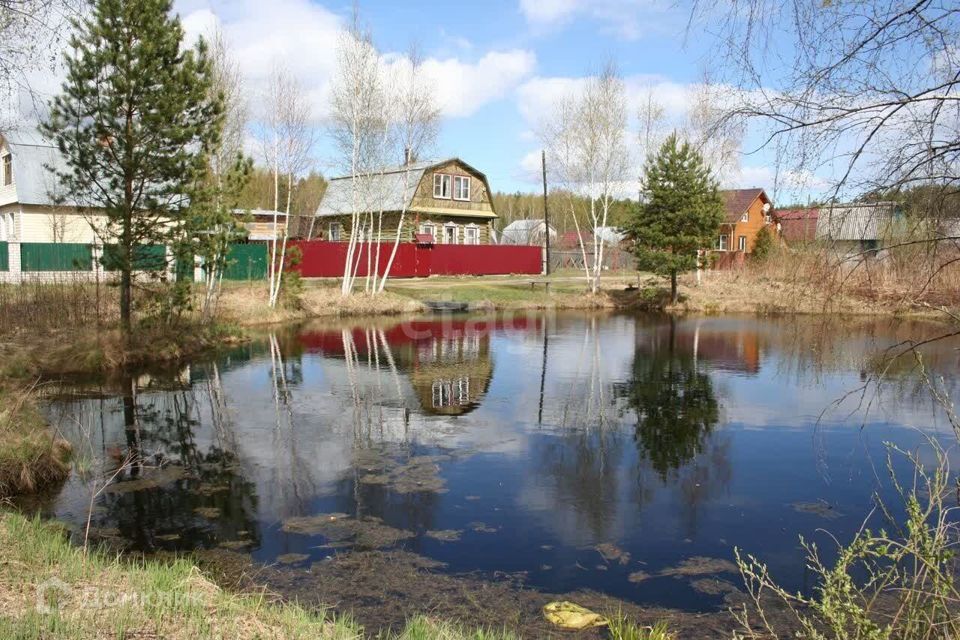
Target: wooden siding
749,229
411,226
479,203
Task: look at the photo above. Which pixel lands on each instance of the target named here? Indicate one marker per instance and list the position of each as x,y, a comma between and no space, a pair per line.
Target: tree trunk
674,294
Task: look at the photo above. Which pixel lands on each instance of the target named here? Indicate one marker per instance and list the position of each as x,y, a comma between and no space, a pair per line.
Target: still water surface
569,451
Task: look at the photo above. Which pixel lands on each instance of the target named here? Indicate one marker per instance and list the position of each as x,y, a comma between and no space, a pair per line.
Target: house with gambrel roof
445,202
746,211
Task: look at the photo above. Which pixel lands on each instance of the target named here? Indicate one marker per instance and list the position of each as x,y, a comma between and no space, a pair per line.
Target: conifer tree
135,121
680,213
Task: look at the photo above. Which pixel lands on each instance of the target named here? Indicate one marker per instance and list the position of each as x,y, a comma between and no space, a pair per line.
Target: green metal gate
60,256
246,262
146,257
4,256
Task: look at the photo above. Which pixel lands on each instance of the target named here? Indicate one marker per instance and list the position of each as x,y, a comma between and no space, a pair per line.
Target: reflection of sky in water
669,439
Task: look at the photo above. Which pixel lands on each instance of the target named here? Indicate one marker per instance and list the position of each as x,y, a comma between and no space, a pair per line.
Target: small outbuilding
526,232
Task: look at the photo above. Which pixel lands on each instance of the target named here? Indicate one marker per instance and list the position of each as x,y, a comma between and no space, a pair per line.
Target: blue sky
496,65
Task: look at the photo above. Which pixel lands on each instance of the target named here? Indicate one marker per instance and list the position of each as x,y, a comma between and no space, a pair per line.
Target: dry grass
31,457
815,281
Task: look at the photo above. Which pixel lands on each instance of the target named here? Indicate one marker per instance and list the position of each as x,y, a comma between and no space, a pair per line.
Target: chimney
408,156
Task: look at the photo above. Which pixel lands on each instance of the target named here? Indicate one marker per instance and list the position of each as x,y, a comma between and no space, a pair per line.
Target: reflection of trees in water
675,403
160,435
587,400
583,468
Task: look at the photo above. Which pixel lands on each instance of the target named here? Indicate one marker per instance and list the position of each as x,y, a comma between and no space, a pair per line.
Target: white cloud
628,19
302,36
462,88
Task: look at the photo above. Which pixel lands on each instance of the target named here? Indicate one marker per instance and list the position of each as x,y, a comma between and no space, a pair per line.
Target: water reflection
674,400
502,444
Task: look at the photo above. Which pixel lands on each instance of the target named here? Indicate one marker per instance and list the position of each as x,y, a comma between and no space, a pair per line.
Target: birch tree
586,143
287,139
416,125
229,172
360,131
713,132
651,116
32,32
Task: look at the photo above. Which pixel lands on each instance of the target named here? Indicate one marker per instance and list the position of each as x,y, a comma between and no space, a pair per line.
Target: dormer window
461,188
441,186
7,170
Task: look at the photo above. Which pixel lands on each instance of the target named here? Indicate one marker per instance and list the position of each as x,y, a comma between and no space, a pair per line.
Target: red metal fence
322,259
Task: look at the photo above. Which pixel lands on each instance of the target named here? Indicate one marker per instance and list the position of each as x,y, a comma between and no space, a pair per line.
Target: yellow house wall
41,224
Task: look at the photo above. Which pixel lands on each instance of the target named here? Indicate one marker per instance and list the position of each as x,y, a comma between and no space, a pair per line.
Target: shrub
902,584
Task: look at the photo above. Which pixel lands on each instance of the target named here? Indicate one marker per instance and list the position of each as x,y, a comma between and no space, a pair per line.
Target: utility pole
546,209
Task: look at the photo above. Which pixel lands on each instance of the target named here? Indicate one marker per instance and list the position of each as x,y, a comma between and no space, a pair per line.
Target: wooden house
746,211
446,202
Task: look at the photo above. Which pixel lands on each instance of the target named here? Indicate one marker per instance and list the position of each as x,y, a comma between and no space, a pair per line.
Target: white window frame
441,180
475,230
429,227
456,233
722,242
745,217
742,243
461,183
339,227
5,162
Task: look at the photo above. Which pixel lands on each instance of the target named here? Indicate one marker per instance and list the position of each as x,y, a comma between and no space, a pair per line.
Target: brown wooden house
746,211
446,202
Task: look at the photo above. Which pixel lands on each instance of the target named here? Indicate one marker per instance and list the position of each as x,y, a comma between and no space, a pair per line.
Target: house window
471,235
463,391
450,235
745,217
336,230
722,243
742,243
461,188
7,170
441,186
430,229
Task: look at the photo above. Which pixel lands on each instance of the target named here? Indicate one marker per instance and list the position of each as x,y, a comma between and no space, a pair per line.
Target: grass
93,595
31,457
621,628
98,595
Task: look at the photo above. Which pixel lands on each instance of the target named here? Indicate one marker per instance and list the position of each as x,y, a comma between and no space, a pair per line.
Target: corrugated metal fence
321,259
60,256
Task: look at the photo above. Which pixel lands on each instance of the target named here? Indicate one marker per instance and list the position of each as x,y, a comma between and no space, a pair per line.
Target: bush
763,245
897,585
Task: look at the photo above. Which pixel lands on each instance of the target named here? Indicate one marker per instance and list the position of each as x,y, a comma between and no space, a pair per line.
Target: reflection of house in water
450,373
712,342
447,362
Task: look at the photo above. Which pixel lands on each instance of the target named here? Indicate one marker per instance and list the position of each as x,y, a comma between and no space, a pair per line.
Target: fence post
13,257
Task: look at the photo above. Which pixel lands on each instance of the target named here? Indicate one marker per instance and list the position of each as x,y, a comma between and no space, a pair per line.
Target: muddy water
622,455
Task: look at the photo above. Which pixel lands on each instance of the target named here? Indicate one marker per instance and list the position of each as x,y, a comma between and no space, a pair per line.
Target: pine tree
135,121
680,213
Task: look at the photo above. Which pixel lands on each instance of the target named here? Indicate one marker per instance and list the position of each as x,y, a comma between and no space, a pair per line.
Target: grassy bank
32,458
50,589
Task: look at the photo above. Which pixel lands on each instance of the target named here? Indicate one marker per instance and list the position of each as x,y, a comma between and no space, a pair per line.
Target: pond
622,454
